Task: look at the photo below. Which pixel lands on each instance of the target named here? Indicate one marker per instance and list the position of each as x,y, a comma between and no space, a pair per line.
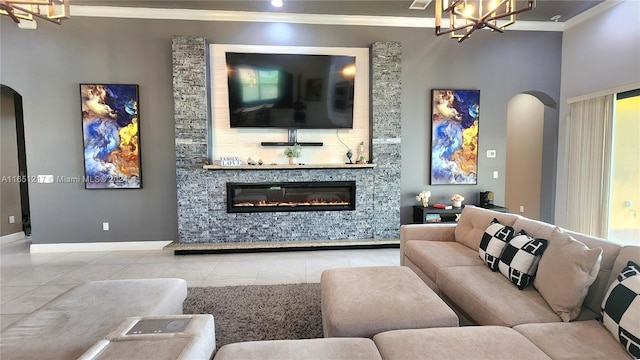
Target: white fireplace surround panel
245,142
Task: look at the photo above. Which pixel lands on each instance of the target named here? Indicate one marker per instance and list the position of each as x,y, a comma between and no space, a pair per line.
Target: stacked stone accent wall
202,216
386,88
190,100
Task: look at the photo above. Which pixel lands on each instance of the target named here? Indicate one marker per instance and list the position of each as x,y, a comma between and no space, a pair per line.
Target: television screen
290,90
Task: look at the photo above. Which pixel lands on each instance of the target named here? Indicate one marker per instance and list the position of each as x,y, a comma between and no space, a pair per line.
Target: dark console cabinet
446,215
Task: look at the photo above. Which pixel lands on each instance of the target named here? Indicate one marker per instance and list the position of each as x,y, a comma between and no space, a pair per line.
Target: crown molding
592,12
315,19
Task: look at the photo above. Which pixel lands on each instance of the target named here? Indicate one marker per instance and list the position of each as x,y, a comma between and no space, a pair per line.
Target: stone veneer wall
202,216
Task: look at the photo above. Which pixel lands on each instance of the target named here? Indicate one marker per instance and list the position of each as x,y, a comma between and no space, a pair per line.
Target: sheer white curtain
590,144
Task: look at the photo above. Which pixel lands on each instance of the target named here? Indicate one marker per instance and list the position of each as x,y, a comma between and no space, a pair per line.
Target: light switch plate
491,153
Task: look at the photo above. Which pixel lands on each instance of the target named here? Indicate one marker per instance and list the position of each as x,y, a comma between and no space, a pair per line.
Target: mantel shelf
289,167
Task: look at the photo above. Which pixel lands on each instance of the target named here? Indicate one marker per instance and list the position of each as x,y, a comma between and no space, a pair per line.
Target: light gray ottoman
169,337
363,302
65,327
335,349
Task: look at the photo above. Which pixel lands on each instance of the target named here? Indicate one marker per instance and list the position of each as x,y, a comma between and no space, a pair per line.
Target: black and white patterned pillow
520,258
621,306
494,239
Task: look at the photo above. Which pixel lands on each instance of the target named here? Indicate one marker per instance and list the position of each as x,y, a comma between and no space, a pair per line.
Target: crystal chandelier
467,16
50,10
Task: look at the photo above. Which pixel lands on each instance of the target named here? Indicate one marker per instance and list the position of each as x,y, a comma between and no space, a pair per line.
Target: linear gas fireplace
291,196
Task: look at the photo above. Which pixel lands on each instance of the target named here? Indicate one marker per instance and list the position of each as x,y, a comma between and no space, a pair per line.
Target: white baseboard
12,237
99,246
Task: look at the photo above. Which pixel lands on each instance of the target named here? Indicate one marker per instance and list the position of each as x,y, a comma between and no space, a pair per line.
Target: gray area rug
259,312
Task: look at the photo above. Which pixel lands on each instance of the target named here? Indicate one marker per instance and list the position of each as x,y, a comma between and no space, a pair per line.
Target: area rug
259,312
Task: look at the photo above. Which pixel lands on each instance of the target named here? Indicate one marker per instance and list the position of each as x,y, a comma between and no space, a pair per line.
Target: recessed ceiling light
276,3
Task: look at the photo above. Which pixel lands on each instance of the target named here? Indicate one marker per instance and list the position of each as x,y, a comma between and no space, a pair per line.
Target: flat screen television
290,90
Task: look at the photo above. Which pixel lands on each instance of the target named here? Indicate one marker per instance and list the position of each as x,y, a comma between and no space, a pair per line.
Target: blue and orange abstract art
110,127
454,136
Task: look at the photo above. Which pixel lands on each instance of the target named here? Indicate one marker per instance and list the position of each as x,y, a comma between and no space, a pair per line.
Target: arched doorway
14,207
531,155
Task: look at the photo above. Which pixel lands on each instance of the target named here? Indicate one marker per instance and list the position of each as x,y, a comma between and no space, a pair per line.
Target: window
624,220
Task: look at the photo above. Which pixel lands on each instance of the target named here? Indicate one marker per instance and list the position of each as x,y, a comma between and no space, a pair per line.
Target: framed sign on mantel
111,134
455,116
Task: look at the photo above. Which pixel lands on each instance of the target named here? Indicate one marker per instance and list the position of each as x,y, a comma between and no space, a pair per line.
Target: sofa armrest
425,232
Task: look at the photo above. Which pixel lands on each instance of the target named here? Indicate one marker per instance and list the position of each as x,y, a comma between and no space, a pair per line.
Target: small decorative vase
457,203
425,203
292,161
361,158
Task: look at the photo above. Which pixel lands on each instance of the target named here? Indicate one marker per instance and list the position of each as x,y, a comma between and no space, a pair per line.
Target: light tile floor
27,281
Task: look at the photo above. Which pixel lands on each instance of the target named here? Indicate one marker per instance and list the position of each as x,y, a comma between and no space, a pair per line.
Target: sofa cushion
519,260
327,348
474,221
621,309
494,240
565,272
430,256
577,340
491,299
473,342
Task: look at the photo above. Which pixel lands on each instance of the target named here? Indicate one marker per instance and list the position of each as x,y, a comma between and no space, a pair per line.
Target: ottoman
172,337
68,325
363,302
333,348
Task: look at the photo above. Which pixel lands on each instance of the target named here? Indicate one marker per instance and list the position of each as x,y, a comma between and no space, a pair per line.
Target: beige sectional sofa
572,278
553,318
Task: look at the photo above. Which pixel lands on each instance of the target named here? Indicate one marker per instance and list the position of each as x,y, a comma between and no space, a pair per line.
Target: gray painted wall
600,54
46,66
9,188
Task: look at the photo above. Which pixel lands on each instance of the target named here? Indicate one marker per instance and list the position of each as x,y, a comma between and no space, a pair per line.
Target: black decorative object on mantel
349,155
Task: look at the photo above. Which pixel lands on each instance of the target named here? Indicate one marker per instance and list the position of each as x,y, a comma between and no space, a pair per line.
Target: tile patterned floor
27,281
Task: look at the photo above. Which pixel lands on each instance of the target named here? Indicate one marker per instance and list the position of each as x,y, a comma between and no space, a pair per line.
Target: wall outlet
521,208
495,174
491,153
105,226
12,219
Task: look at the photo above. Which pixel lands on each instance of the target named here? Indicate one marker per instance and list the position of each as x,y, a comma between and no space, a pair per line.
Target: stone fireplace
203,195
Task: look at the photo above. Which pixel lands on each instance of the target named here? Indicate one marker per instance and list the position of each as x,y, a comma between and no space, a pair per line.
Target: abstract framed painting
111,133
455,117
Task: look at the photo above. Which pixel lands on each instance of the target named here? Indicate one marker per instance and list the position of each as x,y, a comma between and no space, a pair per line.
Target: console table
446,215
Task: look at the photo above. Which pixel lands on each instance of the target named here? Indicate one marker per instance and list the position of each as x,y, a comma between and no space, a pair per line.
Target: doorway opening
531,155
15,189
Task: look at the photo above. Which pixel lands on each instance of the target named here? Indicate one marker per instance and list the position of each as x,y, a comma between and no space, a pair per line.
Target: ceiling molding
612,91
315,19
590,13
